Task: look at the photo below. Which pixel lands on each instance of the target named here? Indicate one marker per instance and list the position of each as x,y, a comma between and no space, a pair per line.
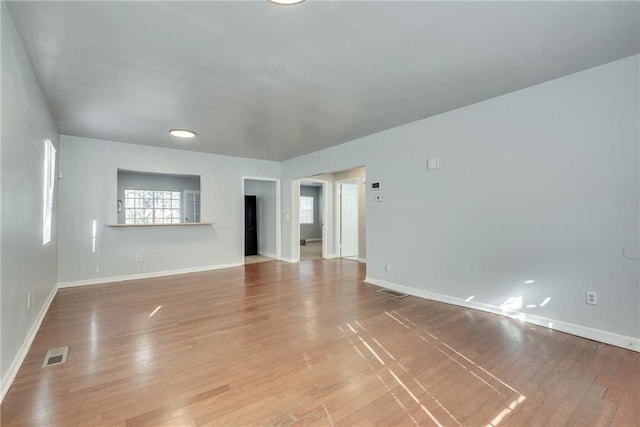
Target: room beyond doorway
312,219
329,203
261,226
310,250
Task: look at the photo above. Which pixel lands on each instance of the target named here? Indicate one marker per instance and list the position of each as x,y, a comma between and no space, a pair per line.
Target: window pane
152,206
306,210
49,173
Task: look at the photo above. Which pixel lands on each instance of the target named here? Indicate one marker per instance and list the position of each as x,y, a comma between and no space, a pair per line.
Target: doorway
250,225
331,214
261,237
348,224
311,218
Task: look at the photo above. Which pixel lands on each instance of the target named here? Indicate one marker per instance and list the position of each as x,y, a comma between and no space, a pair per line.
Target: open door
349,220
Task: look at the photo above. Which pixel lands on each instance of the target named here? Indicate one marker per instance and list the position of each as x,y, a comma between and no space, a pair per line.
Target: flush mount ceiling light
182,133
286,2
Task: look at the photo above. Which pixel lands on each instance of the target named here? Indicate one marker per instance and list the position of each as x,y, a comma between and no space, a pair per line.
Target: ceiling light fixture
286,2
182,133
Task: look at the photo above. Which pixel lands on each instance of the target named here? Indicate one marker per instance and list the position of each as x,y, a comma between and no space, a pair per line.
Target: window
306,210
49,175
152,206
157,198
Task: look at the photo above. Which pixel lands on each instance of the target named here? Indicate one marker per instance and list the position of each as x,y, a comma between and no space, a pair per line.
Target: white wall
27,265
265,192
88,192
540,184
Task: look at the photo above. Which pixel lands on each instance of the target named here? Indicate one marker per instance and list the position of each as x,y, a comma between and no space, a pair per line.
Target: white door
349,220
191,206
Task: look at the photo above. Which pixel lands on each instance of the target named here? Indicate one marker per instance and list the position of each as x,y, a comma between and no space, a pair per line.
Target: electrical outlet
29,300
138,258
592,297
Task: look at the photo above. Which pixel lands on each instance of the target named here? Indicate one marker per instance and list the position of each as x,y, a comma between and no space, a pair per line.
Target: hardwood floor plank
273,343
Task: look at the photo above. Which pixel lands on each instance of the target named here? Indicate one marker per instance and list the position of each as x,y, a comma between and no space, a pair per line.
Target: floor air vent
391,293
56,356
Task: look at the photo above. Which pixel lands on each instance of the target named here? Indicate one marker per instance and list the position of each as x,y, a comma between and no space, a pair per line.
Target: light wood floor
308,343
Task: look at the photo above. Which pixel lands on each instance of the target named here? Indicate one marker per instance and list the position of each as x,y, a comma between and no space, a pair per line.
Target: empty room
278,212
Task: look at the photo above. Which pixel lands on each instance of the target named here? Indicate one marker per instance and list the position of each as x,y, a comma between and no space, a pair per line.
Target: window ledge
182,224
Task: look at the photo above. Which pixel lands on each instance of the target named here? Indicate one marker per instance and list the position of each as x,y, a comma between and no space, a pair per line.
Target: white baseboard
331,256
290,260
362,260
313,240
24,348
111,279
606,337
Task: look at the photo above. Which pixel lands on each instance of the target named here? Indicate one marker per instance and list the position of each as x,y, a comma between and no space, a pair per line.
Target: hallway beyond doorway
311,250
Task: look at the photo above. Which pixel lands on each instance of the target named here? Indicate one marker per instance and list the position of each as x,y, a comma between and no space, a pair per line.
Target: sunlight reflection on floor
432,398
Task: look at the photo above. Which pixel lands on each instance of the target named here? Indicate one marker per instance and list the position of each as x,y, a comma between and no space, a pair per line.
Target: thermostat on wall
375,185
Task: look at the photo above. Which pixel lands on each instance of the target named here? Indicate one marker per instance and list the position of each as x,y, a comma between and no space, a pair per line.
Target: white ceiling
274,82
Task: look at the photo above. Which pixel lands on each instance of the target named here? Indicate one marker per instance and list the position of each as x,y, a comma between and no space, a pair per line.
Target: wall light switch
433,163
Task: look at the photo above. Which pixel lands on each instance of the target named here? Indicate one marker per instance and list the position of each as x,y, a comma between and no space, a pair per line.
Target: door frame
278,223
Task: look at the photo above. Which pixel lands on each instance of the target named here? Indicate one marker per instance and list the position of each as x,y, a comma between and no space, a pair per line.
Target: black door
250,226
